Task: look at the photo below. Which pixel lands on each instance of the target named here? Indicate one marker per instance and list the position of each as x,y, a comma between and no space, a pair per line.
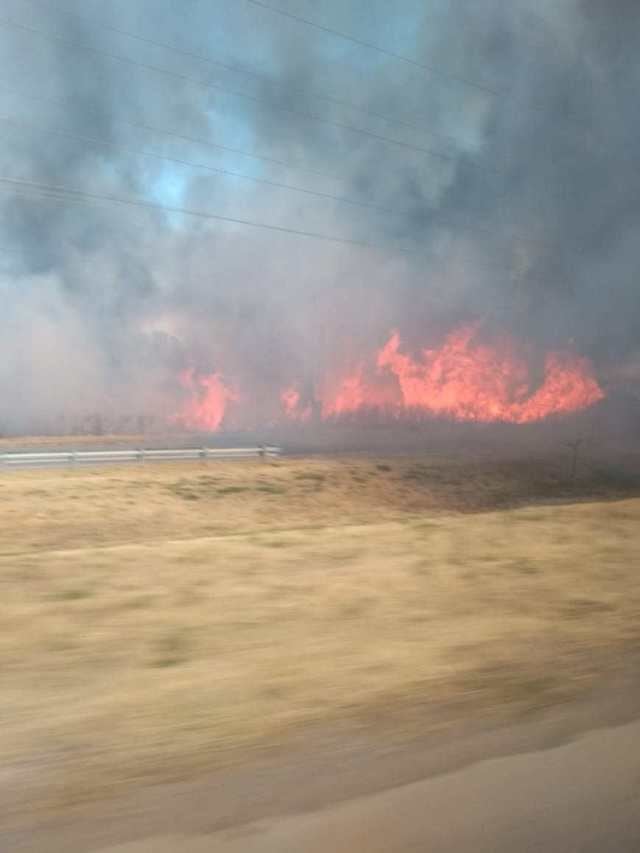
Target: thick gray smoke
511,193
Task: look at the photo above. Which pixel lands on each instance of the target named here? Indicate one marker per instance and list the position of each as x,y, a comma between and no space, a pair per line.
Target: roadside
175,620
581,797
563,781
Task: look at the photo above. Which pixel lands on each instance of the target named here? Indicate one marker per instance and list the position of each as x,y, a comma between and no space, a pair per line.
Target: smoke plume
493,179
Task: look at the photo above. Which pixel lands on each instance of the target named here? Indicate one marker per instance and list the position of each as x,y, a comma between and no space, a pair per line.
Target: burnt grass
417,483
476,486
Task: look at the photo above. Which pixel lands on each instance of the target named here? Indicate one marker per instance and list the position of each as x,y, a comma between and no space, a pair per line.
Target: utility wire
60,193
195,140
430,69
199,140
202,166
93,140
6,22
239,69
438,219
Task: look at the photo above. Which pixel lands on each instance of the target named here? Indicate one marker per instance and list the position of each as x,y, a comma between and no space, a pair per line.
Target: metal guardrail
74,457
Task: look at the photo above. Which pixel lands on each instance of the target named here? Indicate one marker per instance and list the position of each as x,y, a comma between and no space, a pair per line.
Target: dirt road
568,781
583,796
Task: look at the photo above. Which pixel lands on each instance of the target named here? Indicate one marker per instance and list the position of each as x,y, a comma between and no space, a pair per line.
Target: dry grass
156,619
76,442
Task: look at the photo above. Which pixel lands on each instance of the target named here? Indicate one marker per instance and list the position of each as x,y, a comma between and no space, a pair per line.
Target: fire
469,377
291,401
466,380
359,391
206,408
349,396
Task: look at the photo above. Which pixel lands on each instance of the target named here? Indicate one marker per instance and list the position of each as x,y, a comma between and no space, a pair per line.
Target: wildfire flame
359,391
206,408
471,381
465,379
291,401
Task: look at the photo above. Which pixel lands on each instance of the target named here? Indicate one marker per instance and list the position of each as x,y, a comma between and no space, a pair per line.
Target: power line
204,142
218,87
21,186
202,166
438,219
93,140
430,69
65,195
61,193
238,69
207,142
195,140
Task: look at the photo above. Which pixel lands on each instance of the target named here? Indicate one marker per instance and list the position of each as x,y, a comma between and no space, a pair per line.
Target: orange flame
291,401
207,406
471,381
465,380
350,395
359,392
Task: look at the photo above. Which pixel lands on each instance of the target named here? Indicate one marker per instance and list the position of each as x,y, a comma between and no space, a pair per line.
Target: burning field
467,378
167,619
303,241
358,242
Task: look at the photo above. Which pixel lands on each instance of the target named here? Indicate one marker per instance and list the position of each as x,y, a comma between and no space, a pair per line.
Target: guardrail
75,457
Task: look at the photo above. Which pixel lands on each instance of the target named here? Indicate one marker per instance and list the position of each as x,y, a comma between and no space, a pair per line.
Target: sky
492,177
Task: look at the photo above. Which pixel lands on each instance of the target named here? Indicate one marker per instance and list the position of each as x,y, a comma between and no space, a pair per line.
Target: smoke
510,193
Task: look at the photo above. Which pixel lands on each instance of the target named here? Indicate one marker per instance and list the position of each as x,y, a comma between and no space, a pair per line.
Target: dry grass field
159,619
78,442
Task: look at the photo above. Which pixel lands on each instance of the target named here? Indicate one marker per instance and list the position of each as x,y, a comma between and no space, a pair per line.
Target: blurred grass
158,618
69,508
